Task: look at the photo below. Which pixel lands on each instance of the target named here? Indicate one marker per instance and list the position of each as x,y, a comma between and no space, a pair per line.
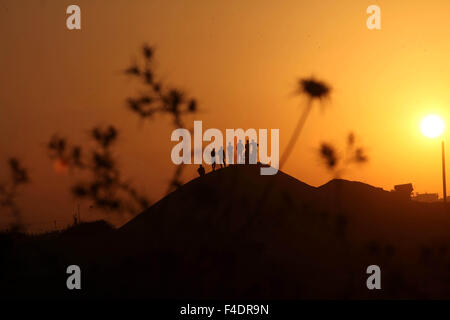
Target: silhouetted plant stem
298,129
337,164
159,98
314,90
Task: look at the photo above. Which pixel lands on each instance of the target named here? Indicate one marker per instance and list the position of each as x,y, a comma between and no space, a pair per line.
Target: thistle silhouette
159,98
337,162
8,191
314,90
106,187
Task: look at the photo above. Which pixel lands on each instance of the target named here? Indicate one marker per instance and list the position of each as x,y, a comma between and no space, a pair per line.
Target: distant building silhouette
404,191
426,197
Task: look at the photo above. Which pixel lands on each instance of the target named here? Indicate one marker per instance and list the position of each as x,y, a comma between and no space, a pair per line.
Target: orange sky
241,60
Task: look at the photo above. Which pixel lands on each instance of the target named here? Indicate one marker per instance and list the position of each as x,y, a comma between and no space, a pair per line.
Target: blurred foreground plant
313,90
338,162
159,98
8,191
105,187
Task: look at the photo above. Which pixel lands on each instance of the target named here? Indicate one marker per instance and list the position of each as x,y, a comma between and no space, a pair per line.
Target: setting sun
432,126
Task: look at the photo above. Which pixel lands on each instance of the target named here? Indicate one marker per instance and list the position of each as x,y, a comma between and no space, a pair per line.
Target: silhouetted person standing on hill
213,159
253,153
230,150
239,151
75,220
201,171
247,152
222,158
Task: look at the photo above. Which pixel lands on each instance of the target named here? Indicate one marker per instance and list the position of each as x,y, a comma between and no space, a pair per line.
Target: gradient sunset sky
241,60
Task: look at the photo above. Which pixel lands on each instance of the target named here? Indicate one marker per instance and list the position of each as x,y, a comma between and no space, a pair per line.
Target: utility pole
444,187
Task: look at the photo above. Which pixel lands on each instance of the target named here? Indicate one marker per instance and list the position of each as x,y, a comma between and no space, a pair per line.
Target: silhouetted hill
236,234
298,241
224,199
89,228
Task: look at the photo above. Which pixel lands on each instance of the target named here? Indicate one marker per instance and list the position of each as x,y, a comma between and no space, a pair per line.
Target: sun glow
432,126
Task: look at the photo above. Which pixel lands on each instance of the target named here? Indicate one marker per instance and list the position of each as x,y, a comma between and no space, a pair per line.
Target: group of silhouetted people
243,156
